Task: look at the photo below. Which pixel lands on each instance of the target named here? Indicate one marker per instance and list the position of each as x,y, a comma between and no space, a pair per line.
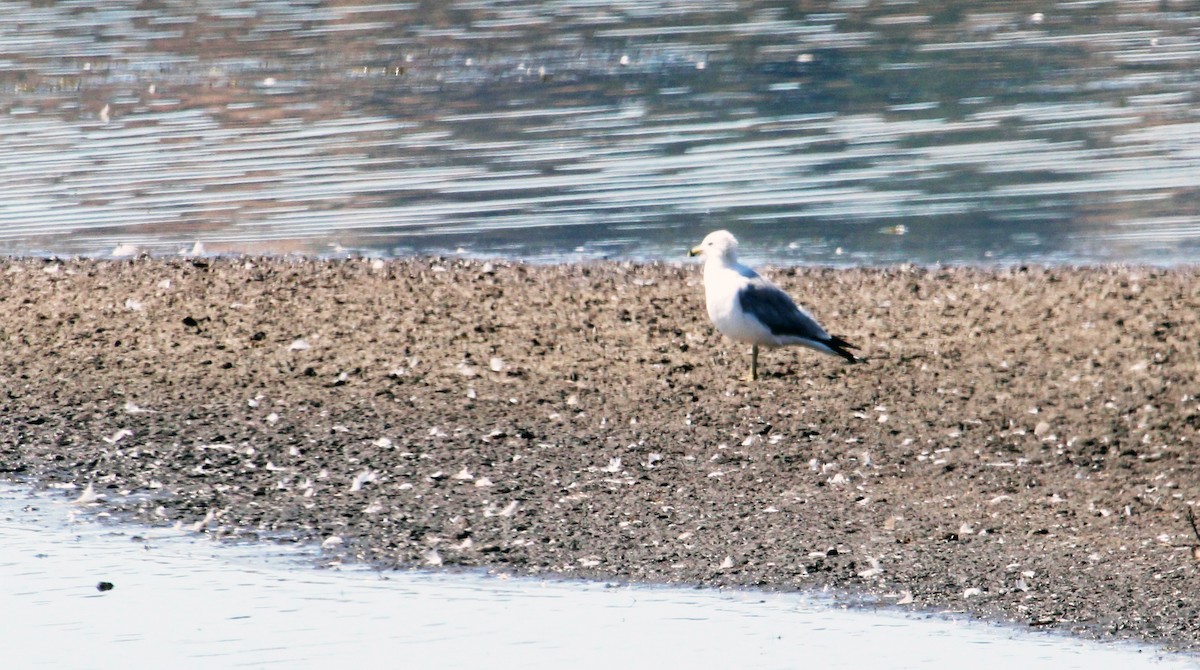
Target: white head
718,245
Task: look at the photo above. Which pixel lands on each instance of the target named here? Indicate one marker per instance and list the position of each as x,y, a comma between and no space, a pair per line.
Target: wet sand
1021,444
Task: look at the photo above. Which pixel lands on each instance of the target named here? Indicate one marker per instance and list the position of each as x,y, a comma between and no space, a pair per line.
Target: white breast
721,286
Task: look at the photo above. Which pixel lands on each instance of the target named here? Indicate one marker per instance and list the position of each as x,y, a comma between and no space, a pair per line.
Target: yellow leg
754,363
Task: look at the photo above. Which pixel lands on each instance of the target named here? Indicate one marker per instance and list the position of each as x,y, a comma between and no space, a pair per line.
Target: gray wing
778,313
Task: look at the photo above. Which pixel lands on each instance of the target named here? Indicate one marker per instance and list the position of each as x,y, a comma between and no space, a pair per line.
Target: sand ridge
1021,443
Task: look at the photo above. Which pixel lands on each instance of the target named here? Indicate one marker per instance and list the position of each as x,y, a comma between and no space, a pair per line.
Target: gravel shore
1021,443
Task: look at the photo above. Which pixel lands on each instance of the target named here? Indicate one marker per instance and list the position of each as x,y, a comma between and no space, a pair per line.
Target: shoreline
1021,444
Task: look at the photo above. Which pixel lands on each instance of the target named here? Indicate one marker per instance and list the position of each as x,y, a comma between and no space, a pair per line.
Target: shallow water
854,133
181,600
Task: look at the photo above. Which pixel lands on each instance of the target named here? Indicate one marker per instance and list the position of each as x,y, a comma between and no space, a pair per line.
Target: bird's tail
842,348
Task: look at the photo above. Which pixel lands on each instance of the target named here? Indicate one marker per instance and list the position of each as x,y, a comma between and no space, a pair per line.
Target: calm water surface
847,132
181,601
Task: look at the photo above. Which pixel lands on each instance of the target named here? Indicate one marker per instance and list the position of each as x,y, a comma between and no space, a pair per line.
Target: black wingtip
842,348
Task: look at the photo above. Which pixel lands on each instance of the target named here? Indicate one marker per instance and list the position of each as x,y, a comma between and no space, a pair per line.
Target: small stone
332,541
362,478
299,345
118,436
874,571
89,495
203,523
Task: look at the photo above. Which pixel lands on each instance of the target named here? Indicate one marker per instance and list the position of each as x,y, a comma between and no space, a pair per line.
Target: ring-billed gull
745,307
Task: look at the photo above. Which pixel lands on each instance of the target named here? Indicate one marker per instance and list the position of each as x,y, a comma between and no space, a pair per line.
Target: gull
747,308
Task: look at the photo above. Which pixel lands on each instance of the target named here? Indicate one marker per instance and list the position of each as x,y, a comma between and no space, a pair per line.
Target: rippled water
850,132
179,600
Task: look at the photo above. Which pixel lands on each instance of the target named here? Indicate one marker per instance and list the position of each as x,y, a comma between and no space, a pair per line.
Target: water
857,133
853,133
180,600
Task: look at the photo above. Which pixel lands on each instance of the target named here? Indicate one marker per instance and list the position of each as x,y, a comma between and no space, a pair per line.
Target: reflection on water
848,132
182,601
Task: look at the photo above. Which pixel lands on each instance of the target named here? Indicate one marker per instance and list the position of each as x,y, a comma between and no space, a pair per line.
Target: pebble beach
1020,444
